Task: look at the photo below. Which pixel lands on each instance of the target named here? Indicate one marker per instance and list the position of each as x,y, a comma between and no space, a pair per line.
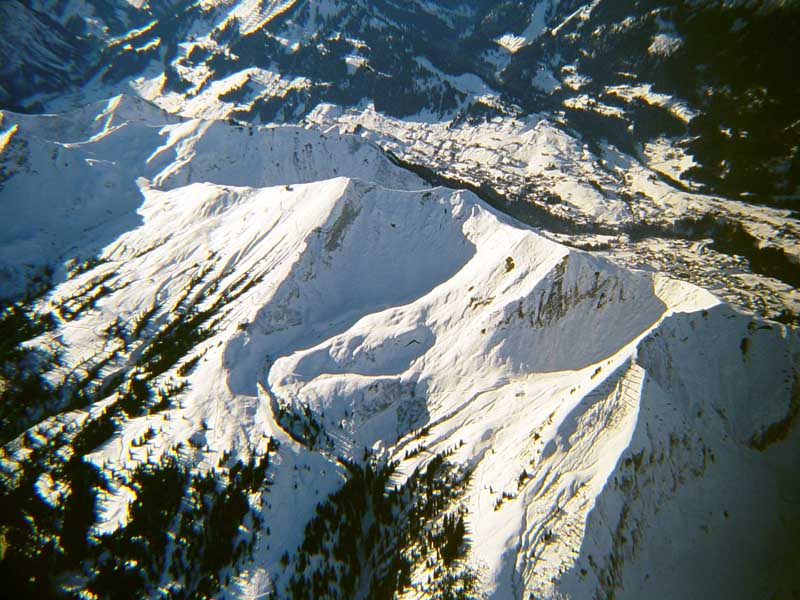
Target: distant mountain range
712,74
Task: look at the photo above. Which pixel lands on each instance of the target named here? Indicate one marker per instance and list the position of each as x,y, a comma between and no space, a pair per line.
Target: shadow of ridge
509,583
407,410
660,480
81,230
247,155
599,393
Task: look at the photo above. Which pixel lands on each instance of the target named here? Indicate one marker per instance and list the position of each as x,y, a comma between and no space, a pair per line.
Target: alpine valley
374,299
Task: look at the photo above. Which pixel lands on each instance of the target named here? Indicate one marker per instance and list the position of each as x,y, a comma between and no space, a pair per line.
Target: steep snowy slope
429,399
598,198
71,182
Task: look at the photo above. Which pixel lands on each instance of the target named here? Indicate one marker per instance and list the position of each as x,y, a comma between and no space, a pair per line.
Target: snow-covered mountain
639,130
395,300
299,301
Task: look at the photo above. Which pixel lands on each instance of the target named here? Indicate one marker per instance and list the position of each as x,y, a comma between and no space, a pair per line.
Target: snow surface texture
612,419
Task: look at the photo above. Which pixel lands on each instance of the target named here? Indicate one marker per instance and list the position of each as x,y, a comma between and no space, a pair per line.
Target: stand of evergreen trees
186,524
369,538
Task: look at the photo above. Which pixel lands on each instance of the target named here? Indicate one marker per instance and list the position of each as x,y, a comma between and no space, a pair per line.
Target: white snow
387,305
545,80
537,25
664,44
645,93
